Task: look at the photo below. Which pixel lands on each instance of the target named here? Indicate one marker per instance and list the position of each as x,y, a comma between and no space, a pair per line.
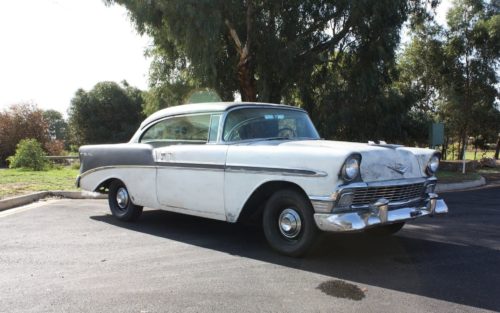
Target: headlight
350,170
433,164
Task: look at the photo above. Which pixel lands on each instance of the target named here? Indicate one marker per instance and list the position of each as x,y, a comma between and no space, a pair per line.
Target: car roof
206,107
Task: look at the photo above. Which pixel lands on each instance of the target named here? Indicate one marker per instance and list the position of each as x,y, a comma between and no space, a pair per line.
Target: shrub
30,155
21,121
54,147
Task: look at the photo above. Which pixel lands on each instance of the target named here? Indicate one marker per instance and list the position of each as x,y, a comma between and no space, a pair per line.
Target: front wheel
120,203
288,223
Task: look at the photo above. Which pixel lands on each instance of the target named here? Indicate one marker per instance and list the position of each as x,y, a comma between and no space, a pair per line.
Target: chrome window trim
137,137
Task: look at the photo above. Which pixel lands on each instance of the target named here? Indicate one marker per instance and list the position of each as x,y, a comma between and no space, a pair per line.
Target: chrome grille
399,193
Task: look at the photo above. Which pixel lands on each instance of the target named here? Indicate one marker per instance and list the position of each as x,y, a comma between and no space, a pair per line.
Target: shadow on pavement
464,274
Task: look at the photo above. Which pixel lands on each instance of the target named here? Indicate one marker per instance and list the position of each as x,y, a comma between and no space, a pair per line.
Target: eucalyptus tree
263,49
472,50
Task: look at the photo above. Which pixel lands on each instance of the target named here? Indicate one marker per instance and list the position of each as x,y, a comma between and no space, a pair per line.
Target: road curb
13,202
461,186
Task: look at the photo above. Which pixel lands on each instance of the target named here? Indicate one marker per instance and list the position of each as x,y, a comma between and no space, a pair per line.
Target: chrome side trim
95,169
219,167
275,171
189,165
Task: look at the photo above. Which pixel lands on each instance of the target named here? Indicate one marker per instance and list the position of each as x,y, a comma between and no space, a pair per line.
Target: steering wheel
286,132
234,132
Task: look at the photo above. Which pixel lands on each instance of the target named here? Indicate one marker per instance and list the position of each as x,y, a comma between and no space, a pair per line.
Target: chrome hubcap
122,198
289,223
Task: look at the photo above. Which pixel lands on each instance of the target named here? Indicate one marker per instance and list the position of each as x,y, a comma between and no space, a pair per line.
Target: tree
472,48
450,74
56,123
109,113
422,67
262,49
21,121
30,155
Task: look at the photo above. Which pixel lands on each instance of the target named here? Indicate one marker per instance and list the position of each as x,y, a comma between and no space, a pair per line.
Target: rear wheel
120,203
288,223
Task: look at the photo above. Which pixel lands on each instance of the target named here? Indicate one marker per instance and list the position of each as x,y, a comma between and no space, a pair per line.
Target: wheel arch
254,205
103,186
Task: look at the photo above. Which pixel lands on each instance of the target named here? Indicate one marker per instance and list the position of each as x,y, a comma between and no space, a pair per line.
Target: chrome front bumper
377,215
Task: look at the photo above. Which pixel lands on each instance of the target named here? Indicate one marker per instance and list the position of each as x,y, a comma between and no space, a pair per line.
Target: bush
21,121
30,155
54,147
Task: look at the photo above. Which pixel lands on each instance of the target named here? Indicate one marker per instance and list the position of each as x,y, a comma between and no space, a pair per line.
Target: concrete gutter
461,186
13,202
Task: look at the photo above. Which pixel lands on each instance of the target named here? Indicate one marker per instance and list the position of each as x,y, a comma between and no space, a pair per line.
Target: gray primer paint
119,154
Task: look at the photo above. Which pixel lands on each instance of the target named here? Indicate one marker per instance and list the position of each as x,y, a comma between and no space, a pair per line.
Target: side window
187,129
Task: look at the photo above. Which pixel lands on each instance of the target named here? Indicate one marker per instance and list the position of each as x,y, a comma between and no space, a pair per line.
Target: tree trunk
246,78
444,148
475,148
464,145
497,150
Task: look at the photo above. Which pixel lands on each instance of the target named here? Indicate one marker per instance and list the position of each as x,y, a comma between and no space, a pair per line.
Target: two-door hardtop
262,162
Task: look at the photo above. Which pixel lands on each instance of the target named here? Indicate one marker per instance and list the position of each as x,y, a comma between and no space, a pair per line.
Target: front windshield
268,123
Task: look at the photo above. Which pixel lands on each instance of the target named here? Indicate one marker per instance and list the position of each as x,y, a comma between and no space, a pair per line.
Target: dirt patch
342,289
14,189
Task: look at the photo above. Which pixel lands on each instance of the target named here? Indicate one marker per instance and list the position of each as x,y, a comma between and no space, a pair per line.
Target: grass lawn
455,177
14,182
469,155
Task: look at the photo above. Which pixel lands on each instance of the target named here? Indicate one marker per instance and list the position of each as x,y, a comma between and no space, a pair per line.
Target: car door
190,165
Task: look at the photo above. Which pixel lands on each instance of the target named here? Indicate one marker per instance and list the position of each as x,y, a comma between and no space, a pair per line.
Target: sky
51,48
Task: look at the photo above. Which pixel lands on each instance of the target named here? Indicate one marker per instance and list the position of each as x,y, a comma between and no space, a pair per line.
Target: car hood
379,162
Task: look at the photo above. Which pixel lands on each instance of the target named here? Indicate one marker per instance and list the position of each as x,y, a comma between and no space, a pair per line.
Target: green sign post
436,134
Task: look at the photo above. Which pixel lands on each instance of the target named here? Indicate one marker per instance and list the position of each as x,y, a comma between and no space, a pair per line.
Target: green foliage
75,165
165,95
56,124
109,113
21,121
29,155
268,50
451,74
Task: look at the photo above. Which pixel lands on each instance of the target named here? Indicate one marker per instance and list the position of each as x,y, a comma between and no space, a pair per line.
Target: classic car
262,162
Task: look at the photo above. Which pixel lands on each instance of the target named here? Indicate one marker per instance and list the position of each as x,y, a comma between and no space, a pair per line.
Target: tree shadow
463,274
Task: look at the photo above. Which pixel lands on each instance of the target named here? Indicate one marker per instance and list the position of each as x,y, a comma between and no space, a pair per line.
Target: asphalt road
72,256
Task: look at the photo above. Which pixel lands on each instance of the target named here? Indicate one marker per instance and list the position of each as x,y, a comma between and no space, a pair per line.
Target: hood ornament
398,167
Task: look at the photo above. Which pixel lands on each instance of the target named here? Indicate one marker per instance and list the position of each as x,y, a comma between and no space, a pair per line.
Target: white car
241,161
